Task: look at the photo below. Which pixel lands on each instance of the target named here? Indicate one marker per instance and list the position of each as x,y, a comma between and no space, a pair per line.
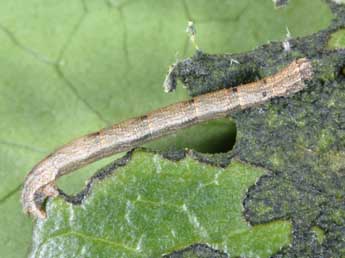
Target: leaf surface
71,67
153,206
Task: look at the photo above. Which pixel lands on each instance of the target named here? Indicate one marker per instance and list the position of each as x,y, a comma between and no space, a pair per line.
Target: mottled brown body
124,136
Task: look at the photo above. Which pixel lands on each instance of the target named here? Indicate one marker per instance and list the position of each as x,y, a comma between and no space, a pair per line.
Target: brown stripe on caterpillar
129,134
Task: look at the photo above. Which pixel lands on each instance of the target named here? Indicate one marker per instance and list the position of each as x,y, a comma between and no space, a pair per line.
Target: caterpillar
124,136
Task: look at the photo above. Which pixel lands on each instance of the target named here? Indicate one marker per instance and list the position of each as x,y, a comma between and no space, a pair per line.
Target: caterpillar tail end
36,190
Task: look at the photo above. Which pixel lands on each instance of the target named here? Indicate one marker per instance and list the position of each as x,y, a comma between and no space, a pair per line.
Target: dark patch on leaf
301,139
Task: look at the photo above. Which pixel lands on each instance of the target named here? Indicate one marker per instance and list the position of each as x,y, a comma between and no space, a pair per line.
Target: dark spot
234,89
264,93
191,101
342,71
143,117
94,134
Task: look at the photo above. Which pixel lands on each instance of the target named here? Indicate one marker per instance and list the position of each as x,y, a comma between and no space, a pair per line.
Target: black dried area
197,251
301,139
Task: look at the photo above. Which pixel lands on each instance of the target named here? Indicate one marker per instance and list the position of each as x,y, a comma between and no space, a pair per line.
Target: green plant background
71,67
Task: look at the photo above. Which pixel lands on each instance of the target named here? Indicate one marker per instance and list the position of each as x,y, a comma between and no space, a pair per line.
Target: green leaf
72,67
153,206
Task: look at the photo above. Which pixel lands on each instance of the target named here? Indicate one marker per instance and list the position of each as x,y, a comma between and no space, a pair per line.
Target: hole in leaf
210,137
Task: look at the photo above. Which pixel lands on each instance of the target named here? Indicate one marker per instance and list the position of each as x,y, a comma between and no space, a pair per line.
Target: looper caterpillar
126,135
